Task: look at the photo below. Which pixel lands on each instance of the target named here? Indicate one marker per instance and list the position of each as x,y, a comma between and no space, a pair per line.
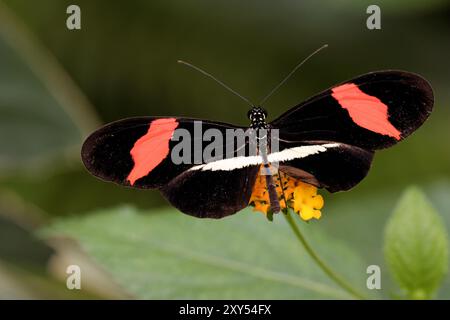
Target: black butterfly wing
136,152
211,194
338,167
372,111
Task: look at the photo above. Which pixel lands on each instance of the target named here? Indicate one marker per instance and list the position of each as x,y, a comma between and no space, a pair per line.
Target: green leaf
171,255
42,112
416,249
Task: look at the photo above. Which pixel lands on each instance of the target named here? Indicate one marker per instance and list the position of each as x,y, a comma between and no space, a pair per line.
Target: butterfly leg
273,196
271,187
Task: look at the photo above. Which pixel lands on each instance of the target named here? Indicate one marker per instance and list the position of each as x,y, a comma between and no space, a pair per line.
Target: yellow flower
315,202
259,195
300,196
307,203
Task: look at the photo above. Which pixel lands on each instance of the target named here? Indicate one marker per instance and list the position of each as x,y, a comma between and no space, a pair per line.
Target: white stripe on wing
285,155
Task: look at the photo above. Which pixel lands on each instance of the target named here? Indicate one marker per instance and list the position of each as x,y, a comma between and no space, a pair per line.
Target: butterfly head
257,116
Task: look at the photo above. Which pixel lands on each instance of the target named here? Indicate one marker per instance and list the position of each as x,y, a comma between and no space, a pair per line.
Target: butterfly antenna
290,74
215,79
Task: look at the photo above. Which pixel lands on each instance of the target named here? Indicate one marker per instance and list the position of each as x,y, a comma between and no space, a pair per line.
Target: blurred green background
57,85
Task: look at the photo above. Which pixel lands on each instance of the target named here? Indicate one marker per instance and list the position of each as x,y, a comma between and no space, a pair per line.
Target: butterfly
327,141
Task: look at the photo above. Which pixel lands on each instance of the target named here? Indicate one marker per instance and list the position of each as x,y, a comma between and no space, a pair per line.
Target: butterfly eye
249,114
264,112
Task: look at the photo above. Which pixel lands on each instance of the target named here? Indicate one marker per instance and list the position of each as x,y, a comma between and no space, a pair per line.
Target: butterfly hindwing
372,111
211,194
338,168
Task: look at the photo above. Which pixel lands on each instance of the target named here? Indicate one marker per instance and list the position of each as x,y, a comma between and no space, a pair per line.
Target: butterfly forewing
137,152
372,111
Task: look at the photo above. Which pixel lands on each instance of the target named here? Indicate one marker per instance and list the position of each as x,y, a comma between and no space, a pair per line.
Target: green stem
335,277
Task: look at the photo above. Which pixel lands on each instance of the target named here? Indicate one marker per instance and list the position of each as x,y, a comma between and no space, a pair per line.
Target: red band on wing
365,110
152,148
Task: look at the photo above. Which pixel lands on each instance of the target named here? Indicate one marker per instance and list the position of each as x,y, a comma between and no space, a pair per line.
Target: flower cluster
300,196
